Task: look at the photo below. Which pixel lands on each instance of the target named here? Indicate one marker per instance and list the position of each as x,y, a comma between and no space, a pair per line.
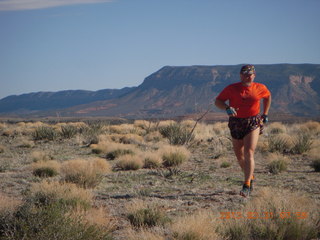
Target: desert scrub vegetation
45,168
86,173
45,133
142,214
274,215
200,225
113,150
151,159
174,156
67,194
277,163
53,210
276,128
129,162
177,134
49,222
281,143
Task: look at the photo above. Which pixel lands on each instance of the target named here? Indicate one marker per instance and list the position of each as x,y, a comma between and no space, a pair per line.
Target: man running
245,121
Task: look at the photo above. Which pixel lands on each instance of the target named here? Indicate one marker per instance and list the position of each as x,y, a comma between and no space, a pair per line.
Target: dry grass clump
124,129
275,215
25,143
129,162
148,126
165,123
277,163
204,132
85,173
38,156
201,225
154,136
45,168
276,128
46,193
141,214
151,159
220,128
174,156
143,234
98,216
113,149
312,127
8,204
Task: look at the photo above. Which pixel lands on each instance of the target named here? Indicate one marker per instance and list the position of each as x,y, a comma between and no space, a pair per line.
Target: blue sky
52,45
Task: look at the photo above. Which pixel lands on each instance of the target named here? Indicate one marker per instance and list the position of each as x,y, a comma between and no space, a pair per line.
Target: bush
274,215
152,160
45,168
201,225
316,165
277,166
301,144
67,194
128,162
45,133
118,152
85,173
174,156
48,222
147,217
45,172
176,134
68,131
280,143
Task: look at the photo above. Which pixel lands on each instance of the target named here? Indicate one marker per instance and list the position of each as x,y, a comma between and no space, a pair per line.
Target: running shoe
251,185
245,192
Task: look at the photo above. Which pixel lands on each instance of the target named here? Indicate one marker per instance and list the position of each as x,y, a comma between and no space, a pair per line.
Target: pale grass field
109,172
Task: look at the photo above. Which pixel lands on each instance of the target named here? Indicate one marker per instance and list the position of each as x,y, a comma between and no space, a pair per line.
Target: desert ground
156,180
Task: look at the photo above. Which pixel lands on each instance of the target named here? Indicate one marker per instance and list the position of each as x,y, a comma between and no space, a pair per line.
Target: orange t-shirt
246,100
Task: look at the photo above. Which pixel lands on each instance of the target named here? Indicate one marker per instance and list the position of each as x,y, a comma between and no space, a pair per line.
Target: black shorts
240,127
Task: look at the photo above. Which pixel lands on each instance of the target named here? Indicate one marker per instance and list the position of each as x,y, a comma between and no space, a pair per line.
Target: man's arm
220,104
223,106
266,105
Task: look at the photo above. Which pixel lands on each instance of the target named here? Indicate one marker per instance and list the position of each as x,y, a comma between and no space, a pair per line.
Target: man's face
247,78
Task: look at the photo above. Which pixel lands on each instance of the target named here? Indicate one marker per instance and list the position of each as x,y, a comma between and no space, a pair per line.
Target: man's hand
231,111
265,118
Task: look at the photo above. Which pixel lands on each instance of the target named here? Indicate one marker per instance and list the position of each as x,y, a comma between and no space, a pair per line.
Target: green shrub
277,166
149,217
68,131
301,144
316,165
45,172
281,144
45,133
48,222
225,165
176,134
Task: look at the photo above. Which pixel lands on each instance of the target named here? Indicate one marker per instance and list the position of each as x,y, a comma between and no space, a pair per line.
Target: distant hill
44,101
177,91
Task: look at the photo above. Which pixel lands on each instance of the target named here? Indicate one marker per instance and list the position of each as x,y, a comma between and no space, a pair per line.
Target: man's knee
249,153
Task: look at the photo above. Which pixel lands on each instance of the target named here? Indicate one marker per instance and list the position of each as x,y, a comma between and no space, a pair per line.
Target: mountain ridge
181,90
